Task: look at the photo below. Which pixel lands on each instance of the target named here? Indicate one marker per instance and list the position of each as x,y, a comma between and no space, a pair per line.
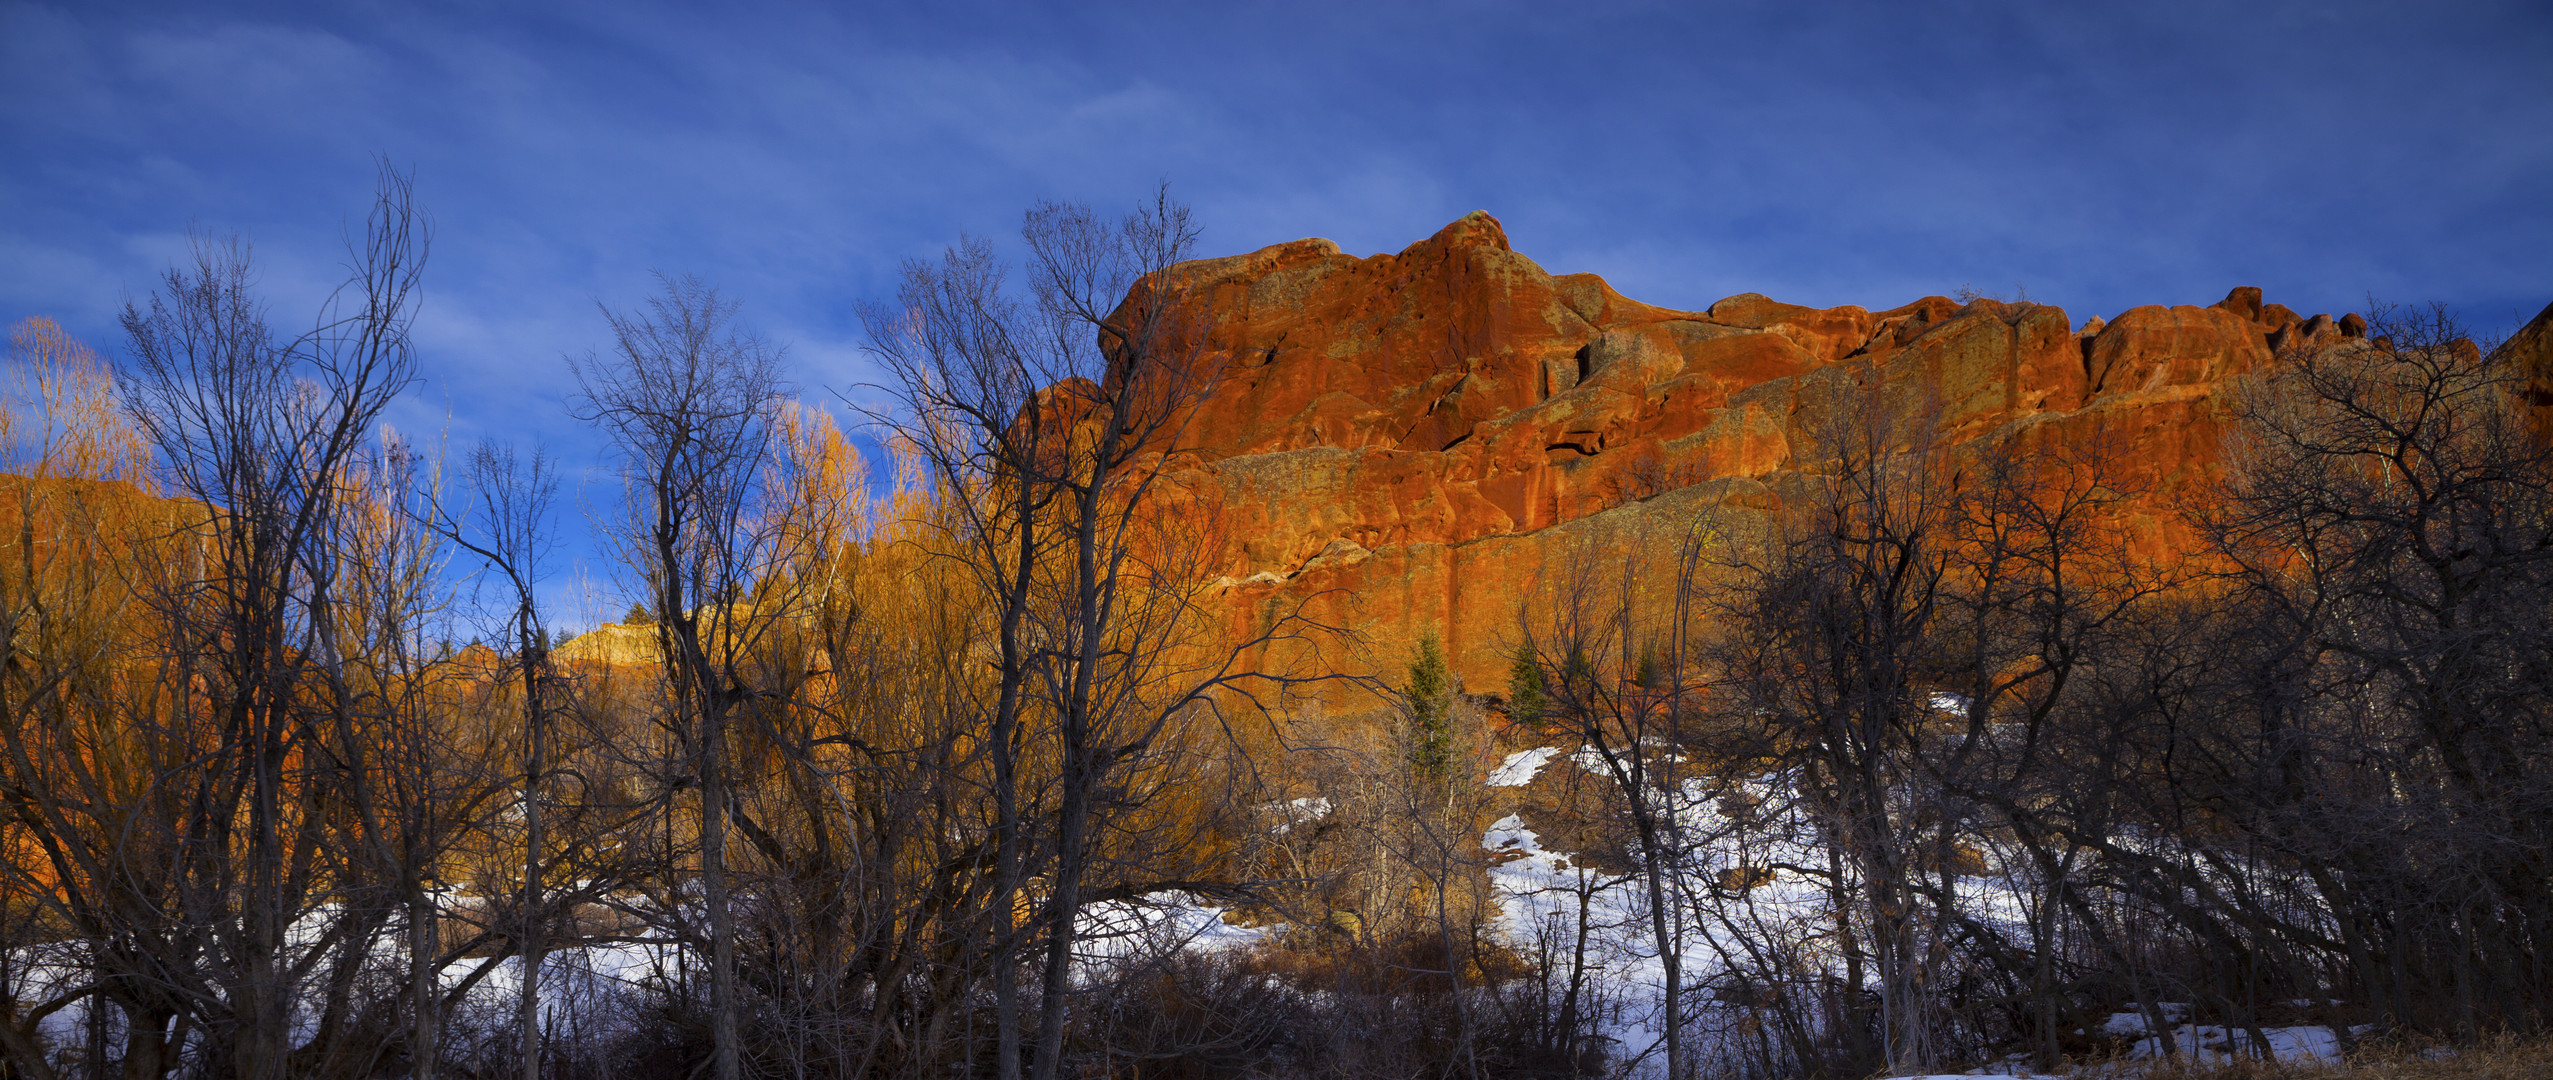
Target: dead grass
2497,1059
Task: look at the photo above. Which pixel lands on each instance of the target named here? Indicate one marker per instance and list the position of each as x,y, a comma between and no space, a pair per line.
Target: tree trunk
423,944
146,1043
727,1064
527,1007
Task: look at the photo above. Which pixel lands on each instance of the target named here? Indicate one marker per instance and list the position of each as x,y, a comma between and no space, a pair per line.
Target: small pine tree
1526,700
1430,696
1579,672
638,614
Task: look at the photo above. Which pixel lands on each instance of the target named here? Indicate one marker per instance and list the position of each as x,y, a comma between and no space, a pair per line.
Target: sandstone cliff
1409,442
612,643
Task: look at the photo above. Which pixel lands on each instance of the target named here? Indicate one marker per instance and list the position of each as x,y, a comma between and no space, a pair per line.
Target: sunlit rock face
1415,442
632,644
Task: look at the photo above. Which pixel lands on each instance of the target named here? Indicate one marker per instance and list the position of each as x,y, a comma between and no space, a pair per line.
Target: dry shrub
2499,1058
1315,1006
1191,1014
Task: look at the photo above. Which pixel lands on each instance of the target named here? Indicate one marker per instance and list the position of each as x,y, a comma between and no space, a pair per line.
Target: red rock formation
1409,442
2531,350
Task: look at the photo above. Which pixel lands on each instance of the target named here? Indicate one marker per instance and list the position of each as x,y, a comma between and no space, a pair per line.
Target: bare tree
1836,620
1044,428
408,781
690,400
1905,644
76,838
1611,666
2390,523
506,524
264,432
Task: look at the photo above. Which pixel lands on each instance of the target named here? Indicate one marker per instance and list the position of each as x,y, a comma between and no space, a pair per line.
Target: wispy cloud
796,154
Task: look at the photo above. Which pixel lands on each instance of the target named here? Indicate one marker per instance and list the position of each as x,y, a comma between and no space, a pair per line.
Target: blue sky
2098,156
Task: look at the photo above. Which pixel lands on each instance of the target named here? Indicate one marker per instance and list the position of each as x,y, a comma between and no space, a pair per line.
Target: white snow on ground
1540,893
1519,768
1162,922
34,976
573,978
1510,833
583,983
577,980
2210,1043
2128,1023
1294,811
2213,1044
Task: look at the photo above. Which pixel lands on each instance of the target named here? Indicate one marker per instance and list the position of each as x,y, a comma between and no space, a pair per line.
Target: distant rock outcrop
613,644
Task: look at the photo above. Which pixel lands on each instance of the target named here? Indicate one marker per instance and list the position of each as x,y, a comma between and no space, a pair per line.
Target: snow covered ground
1163,923
1542,896
2214,1044
1519,768
1543,892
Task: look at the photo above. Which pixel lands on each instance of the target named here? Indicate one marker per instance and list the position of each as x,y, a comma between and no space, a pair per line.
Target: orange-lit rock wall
1410,442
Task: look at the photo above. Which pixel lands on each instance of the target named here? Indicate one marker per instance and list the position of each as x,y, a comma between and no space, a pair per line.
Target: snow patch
1159,924
1510,834
1519,768
2216,1044
1296,811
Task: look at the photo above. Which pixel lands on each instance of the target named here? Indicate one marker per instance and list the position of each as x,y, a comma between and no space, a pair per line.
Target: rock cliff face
612,643
1410,442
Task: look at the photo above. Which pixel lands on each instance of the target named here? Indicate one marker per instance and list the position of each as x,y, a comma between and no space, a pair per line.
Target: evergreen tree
1525,697
1430,698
